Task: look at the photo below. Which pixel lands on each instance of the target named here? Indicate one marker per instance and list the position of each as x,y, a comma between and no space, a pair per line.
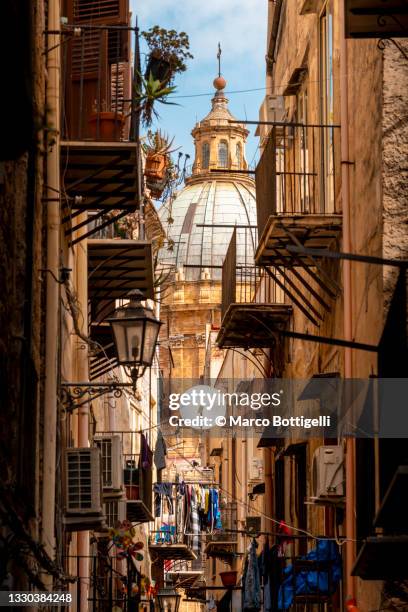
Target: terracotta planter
106,126
156,187
155,167
229,579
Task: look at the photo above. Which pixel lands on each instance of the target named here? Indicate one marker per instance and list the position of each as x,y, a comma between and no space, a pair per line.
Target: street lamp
135,331
168,599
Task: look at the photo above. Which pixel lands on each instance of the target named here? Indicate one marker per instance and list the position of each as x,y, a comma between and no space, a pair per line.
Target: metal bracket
73,393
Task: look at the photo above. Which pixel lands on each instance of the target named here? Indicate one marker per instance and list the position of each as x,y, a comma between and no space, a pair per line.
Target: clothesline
189,482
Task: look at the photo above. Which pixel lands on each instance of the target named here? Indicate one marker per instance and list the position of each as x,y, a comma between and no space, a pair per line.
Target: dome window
205,154
239,155
223,154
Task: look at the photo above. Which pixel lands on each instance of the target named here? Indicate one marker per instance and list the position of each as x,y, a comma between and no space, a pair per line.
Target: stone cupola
219,144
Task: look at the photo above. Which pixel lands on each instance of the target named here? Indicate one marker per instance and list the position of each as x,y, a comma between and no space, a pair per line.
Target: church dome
217,196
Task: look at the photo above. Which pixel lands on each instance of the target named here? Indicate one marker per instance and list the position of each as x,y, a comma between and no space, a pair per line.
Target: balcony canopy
100,180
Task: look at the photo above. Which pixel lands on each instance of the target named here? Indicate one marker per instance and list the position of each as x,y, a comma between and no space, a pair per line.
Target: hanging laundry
163,492
166,534
160,452
145,453
252,582
194,522
214,513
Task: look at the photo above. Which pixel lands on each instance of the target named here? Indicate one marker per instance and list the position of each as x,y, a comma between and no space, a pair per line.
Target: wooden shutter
92,58
104,12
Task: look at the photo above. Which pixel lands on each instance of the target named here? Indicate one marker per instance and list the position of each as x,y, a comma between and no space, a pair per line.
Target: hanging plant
169,51
149,92
158,167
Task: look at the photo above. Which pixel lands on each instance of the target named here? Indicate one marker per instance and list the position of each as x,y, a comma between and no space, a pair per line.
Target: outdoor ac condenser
328,472
83,481
111,463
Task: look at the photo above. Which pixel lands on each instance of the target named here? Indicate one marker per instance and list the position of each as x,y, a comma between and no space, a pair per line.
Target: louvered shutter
104,12
91,60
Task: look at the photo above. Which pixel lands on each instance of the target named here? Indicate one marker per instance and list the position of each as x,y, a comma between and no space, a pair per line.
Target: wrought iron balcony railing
308,581
252,298
298,172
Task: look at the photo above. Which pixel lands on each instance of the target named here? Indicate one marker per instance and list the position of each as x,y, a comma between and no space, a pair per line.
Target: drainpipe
269,509
52,291
347,302
83,412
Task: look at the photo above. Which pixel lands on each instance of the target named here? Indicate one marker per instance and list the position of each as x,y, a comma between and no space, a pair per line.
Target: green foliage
158,142
149,92
169,45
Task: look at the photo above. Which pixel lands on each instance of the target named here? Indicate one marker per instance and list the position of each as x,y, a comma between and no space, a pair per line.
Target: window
239,155
326,107
205,155
305,186
223,154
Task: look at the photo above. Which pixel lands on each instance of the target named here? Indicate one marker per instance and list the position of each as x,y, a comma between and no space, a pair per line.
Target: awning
115,267
99,179
269,442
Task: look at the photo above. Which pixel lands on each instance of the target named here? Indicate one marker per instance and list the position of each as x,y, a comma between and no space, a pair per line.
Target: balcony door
326,109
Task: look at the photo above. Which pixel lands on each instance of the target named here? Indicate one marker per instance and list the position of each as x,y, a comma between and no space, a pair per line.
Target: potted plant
157,149
169,51
229,579
105,124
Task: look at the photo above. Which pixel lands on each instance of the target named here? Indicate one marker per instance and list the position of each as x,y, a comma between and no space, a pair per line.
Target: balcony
297,192
185,574
297,208
99,153
383,556
252,303
223,544
376,18
309,581
173,539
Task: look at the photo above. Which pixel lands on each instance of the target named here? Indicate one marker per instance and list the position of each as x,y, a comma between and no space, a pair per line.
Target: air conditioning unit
111,463
83,494
276,107
255,469
115,512
328,473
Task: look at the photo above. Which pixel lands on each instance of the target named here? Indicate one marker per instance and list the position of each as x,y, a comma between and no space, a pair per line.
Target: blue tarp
307,582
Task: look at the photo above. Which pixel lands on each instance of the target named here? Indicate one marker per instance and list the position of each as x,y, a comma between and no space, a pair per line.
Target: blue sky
240,26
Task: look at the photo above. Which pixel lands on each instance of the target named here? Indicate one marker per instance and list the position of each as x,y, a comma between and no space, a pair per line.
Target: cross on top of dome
219,82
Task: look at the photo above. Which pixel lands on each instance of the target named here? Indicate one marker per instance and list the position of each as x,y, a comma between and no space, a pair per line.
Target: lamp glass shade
135,330
168,600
